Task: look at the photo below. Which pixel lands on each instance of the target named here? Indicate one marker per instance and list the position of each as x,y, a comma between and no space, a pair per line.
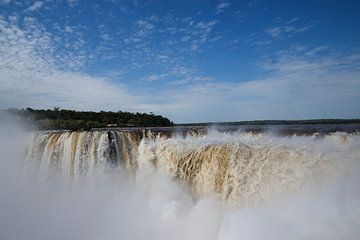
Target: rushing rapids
239,168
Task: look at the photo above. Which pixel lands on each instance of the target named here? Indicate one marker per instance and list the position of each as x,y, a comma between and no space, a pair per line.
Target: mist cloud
152,206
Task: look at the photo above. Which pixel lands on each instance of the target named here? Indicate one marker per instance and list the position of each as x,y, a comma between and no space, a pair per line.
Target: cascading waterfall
238,168
77,154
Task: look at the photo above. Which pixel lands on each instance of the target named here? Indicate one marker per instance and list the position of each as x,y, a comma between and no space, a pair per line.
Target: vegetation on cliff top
74,120
85,120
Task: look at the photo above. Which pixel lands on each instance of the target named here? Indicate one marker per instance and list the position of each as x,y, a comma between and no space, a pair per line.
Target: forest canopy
74,120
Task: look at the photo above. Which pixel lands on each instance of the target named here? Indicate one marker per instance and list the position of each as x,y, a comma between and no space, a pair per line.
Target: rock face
238,168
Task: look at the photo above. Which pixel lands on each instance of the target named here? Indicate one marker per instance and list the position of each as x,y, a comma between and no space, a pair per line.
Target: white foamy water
124,185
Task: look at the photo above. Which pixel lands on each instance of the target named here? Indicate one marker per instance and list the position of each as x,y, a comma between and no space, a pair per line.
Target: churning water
115,184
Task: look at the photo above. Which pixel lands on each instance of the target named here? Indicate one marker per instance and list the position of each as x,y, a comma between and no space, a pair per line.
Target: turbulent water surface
189,184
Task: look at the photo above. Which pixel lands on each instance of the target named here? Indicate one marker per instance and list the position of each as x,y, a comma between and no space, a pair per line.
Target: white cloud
144,25
199,33
222,6
185,38
156,77
105,37
167,45
29,76
303,82
72,2
312,83
68,29
292,20
4,2
286,31
154,18
36,6
282,31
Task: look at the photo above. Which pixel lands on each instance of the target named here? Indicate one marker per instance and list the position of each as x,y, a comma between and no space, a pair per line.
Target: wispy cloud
105,37
304,83
29,75
155,77
68,29
144,25
167,45
72,2
286,31
222,6
4,2
35,6
155,62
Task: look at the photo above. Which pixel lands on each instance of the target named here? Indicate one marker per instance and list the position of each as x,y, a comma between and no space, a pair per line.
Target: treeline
277,122
75,120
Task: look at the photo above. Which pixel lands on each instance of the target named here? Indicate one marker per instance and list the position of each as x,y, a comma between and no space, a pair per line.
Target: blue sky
192,61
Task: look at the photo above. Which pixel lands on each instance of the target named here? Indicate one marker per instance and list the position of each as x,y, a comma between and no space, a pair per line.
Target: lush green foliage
73,120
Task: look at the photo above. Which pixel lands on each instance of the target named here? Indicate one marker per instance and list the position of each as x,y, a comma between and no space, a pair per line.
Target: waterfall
238,168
